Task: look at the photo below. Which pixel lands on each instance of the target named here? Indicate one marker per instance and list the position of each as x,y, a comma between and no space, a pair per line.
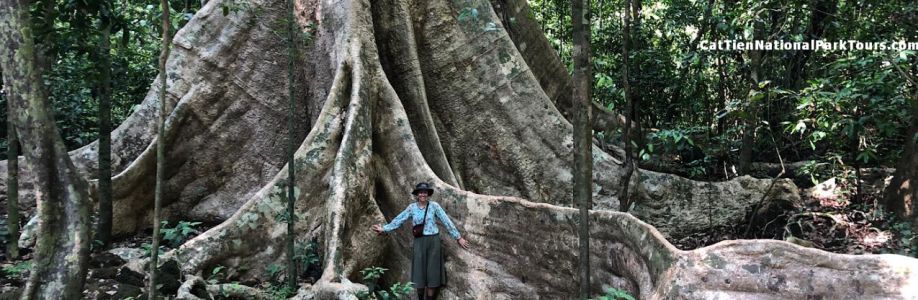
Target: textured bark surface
103,231
62,248
901,196
583,136
493,124
12,193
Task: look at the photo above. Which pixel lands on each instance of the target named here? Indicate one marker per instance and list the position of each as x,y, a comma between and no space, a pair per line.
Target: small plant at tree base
215,275
179,234
275,286
148,249
614,293
905,240
280,291
306,255
274,271
229,289
402,289
371,277
96,245
17,269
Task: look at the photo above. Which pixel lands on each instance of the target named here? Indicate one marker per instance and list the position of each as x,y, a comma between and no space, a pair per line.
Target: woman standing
427,272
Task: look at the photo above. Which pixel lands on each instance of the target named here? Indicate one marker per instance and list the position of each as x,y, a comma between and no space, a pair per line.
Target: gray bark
61,252
12,181
292,40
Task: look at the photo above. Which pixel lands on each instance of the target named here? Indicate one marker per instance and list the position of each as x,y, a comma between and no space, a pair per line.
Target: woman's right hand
377,228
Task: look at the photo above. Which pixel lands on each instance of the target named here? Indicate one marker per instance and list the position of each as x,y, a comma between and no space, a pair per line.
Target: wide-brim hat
423,186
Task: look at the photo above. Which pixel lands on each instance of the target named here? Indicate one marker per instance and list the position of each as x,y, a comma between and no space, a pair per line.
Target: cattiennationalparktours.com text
811,45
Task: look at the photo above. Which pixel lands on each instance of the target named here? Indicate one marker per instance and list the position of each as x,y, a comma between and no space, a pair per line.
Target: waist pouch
418,230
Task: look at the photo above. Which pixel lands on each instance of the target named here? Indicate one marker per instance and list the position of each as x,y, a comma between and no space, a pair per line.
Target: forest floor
830,219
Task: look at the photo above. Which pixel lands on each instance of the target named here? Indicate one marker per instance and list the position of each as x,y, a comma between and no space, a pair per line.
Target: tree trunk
750,120
499,130
583,134
103,232
822,13
45,32
160,147
629,164
60,255
901,195
292,40
12,183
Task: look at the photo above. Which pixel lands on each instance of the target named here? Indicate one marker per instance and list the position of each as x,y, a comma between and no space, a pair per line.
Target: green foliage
614,294
863,117
274,271
375,291
234,6
903,238
372,274
216,275
280,292
70,33
306,255
96,244
177,235
16,269
148,249
229,289
815,104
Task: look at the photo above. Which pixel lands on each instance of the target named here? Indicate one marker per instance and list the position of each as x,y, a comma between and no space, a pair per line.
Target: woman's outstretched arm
398,220
441,214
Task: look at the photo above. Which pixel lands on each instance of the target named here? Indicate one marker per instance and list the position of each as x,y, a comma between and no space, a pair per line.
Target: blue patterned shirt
430,227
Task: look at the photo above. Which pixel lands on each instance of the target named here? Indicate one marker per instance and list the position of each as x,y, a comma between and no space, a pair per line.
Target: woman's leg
421,294
432,293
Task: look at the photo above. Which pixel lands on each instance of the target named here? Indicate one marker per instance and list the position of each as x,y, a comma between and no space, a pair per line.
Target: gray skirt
427,262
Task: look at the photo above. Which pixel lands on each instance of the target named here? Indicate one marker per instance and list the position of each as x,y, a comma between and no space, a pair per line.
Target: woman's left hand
377,228
463,243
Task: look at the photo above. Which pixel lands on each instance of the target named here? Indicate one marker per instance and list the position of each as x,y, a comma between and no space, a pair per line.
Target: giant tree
60,256
495,91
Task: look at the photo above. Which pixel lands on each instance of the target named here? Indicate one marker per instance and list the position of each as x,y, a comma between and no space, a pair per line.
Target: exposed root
237,291
253,232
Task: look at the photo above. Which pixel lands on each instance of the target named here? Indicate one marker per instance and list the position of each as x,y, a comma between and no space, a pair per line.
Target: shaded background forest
707,115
